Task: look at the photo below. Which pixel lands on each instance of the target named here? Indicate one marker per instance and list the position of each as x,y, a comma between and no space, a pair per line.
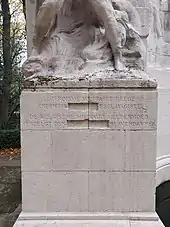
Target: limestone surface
86,36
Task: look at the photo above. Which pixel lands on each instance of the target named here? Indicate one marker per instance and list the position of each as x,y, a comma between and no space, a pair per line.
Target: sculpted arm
106,13
45,17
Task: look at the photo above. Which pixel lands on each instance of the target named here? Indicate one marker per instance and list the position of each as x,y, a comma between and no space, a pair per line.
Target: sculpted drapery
83,36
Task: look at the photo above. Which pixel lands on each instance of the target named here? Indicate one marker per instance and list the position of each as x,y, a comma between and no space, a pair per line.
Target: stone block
55,191
166,49
138,223
121,192
88,219
105,110
164,60
52,110
140,151
84,223
36,151
145,15
164,6
163,144
164,108
130,110
166,21
88,150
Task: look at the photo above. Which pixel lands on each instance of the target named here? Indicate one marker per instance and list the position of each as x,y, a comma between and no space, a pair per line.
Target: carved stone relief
85,36
153,20
159,39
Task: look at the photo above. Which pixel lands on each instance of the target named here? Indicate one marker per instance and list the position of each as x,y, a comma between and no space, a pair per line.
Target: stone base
88,220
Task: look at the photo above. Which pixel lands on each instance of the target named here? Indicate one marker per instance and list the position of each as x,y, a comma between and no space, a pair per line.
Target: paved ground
10,190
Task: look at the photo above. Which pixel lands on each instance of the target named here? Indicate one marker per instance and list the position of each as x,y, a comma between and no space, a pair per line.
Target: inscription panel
112,110
125,110
52,110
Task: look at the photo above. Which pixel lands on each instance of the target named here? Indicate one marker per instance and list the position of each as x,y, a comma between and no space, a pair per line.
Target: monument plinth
89,151
88,118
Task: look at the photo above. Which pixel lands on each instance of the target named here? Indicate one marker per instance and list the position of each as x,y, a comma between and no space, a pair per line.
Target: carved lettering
121,98
118,116
44,124
111,106
57,116
53,106
53,98
102,111
124,124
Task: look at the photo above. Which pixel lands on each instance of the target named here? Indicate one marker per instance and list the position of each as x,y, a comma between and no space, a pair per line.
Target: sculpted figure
133,49
80,35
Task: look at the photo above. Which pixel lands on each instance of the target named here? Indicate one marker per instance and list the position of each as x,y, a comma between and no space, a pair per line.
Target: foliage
10,138
12,53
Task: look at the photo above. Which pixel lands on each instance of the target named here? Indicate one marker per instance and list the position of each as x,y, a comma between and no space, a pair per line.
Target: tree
7,63
12,48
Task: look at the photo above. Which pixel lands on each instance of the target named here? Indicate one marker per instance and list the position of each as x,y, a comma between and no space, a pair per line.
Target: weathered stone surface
55,191
121,192
73,49
89,110
164,61
166,50
116,223
91,151
37,151
107,79
69,192
88,219
146,224
140,151
88,150
144,13
87,165
128,110
52,110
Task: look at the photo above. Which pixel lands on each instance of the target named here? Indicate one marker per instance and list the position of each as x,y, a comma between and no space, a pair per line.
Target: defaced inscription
65,98
51,111
120,111
125,111
102,98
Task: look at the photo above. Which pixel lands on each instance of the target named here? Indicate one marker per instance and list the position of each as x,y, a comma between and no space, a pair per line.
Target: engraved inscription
105,110
88,124
47,106
53,98
125,111
119,98
125,124
95,116
52,121
58,116
111,106
44,124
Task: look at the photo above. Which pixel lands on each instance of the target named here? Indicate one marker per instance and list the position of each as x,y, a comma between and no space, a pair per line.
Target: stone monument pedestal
89,152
